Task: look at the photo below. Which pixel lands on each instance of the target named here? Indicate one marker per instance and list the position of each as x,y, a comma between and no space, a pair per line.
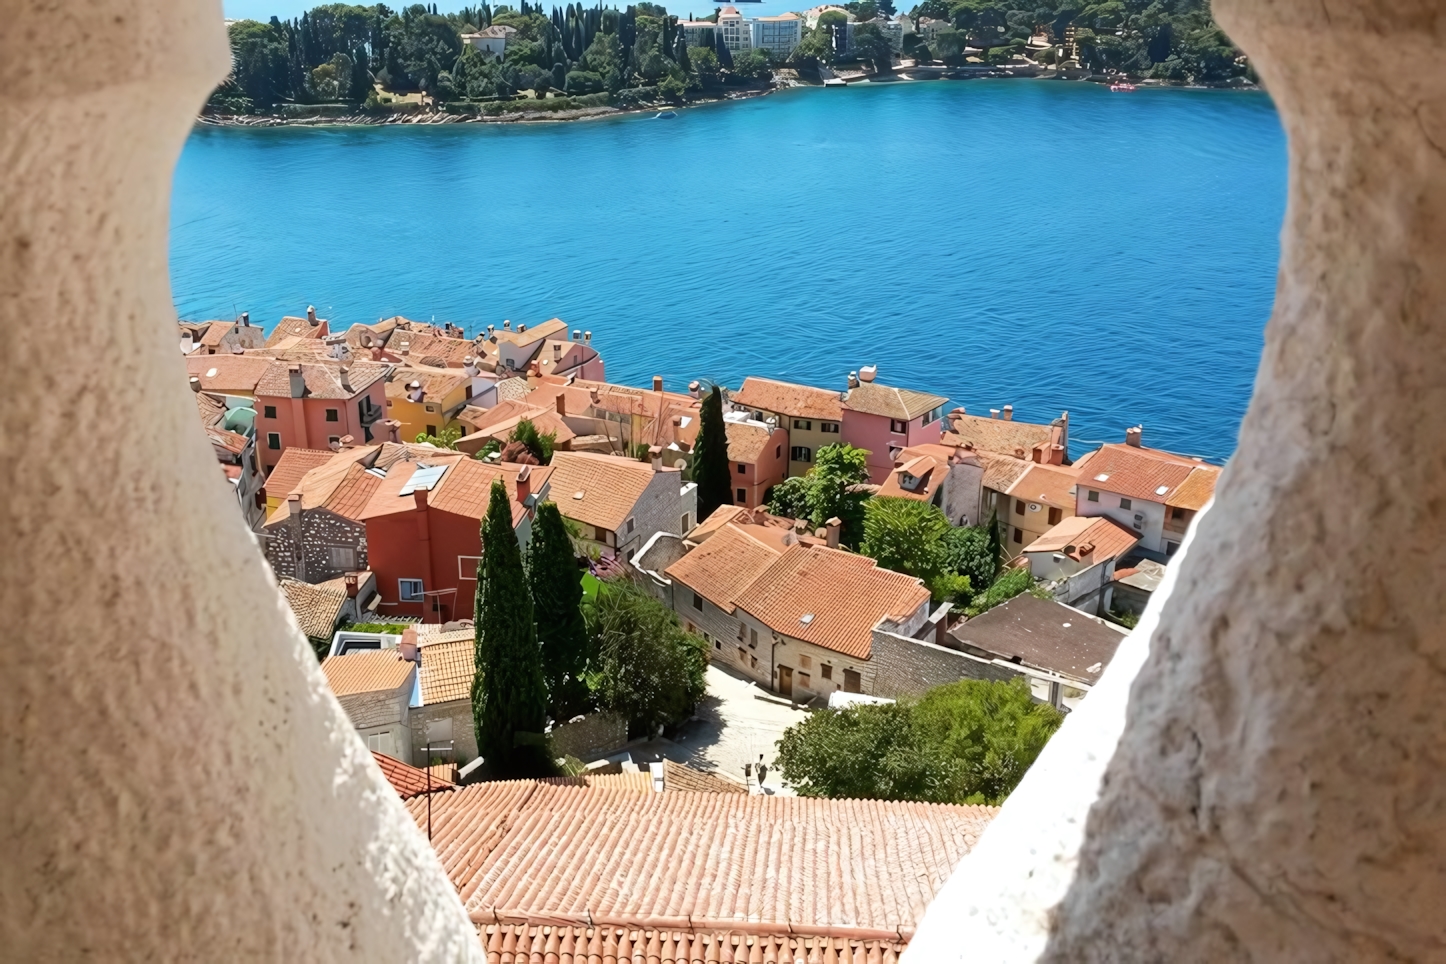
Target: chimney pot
657,383
556,351
1009,413
407,648
1132,435
377,353
1056,454
246,319
587,338
994,413
577,334
507,324
311,314
521,329
831,530
694,389
351,585
419,496
524,483
655,452
195,384
853,379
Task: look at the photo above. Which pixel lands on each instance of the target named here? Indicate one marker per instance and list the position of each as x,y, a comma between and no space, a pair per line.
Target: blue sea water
1049,245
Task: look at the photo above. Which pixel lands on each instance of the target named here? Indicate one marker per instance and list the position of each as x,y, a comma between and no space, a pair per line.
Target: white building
777,35
491,41
699,33
735,30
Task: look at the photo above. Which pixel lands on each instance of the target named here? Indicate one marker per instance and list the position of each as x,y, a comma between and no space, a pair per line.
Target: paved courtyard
732,727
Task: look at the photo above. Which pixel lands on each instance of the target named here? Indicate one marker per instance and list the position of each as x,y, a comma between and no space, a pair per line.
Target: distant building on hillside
491,41
734,30
777,35
699,33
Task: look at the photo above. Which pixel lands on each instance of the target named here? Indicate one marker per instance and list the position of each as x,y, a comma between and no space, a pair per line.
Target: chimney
587,338
655,452
298,382
1056,454
524,483
521,329
245,319
507,324
195,384
407,648
344,374
392,428
377,354
311,314
334,446
577,334
556,351
853,379
419,497
868,373
293,505
1132,435
351,588
1036,454
1009,413
1018,452
657,383
695,389
470,366
561,403
188,342
994,413
492,332
831,530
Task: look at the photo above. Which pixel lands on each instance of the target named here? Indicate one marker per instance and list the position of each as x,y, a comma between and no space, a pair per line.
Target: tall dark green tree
509,693
996,542
556,584
710,457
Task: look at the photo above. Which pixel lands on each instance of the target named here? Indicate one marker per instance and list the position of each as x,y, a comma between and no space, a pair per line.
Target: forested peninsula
375,64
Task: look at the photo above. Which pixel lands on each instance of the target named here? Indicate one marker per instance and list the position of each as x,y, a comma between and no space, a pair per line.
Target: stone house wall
658,509
320,531
904,667
440,722
593,736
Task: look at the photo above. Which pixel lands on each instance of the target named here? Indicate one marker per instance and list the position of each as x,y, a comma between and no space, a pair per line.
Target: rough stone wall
320,531
659,509
906,667
379,708
464,730
595,735
271,834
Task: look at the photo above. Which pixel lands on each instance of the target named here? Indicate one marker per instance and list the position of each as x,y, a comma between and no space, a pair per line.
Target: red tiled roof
1104,537
366,671
903,404
1196,490
528,852
407,780
341,484
842,596
599,490
637,782
547,944
316,607
786,398
1050,484
746,443
995,434
323,379
1001,471
1143,473
722,568
292,467
228,374
466,488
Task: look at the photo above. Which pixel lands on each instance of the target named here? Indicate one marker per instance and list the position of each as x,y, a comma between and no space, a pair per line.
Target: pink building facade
885,421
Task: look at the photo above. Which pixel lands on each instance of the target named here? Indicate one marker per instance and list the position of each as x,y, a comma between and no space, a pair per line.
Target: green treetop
911,537
509,693
710,457
556,584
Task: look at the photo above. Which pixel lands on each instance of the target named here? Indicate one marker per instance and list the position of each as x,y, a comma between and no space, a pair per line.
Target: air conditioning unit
1137,525
1139,517
1034,507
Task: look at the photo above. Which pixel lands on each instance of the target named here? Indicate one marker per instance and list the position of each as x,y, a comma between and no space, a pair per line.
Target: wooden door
853,682
785,681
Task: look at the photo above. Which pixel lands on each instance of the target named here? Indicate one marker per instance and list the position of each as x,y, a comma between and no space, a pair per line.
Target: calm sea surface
1050,245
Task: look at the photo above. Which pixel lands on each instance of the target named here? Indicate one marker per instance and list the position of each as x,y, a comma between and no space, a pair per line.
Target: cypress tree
996,543
725,56
556,584
710,457
509,695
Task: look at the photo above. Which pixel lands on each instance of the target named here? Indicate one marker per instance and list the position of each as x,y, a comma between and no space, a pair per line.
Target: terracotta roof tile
1050,484
407,780
1142,473
637,782
786,398
437,383
228,374
294,327
549,944
1001,471
317,607
904,404
750,519
466,488
677,777
448,668
292,467
599,490
366,672
724,567
746,442
1106,538
211,408
215,331
431,349
524,851
995,434
533,334
323,379
1196,490
842,596
341,484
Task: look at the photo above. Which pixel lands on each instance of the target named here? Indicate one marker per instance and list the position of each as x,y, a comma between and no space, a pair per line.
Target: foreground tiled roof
528,852
1001,471
316,607
292,467
903,404
322,379
407,780
723,568
1149,474
546,944
786,398
682,778
1079,536
640,781
366,672
746,443
599,490
341,484
829,597
228,374
448,666
1004,436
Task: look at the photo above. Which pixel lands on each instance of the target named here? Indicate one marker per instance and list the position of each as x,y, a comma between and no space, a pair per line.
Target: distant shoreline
441,118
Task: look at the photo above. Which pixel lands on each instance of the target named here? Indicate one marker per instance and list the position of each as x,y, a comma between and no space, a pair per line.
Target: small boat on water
1122,88
665,113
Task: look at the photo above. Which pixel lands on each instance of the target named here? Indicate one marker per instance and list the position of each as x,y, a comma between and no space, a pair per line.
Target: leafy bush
582,82
909,536
1005,588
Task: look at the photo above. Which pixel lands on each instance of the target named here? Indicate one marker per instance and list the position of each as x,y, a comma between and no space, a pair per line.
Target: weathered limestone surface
1277,793
178,783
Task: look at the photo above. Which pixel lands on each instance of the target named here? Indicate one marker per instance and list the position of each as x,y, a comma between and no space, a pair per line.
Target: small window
630,525
1055,515
1018,507
742,655
1093,496
778,451
432,430
753,638
469,391
273,440
332,415
269,411
717,644
828,427
825,670
898,427
853,682
1177,513
742,496
333,440
804,662
432,408
697,602
1019,535
803,680
742,469
343,557
1126,504
803,424
467,567
410,590
753,662
685,523
801,453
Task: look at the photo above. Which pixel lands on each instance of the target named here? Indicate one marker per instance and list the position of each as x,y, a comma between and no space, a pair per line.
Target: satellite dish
1034,507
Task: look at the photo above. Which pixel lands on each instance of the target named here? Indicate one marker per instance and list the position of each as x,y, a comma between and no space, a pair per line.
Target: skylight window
1162,490
424,479
1102,477
806,618
578,495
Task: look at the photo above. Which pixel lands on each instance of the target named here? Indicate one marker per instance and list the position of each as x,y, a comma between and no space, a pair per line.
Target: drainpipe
773,667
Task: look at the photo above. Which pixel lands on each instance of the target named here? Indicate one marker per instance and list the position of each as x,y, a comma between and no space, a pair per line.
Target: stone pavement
731,727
